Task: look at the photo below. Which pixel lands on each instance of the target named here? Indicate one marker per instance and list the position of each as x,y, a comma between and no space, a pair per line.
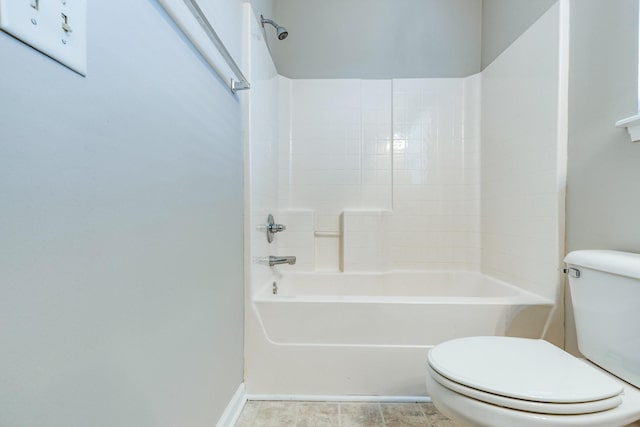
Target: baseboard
338,398
234,408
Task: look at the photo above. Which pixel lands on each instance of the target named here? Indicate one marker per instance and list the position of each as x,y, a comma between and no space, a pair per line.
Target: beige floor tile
360,415
248,415
276,414
431,412
403,415
320,414
436,419
351,414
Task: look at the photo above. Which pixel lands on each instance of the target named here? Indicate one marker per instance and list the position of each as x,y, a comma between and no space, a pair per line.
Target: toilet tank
606,305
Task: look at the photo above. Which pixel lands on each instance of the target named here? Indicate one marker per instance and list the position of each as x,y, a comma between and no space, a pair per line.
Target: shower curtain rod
238,81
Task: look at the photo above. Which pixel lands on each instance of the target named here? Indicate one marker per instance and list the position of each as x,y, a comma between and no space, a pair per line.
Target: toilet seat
522,374
527,405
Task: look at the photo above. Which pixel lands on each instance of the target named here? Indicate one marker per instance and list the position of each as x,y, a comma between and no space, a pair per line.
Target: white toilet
518,382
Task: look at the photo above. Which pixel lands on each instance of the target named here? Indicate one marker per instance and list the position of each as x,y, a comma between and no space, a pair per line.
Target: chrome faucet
275,260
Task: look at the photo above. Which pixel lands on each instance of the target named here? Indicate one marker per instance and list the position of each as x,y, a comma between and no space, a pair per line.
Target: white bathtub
369,333
394,309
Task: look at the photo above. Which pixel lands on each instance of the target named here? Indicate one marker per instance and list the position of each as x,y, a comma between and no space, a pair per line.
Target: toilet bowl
503,381
519,382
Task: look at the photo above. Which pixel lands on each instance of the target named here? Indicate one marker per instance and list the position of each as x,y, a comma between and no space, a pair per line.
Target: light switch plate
57,28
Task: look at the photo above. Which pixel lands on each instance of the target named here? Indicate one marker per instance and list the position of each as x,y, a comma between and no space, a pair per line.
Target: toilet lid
521,368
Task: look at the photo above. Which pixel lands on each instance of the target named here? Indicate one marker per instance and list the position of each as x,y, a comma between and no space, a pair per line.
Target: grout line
391,151
384,422
339,414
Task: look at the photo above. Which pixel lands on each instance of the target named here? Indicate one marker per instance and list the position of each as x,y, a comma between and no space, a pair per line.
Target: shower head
281,32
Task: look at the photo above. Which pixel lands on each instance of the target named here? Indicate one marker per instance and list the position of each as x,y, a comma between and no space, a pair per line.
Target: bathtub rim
264,294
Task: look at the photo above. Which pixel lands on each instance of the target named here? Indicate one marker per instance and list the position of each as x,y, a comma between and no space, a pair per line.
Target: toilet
509,382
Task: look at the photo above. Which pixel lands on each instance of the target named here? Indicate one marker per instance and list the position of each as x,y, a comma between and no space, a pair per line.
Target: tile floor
334,414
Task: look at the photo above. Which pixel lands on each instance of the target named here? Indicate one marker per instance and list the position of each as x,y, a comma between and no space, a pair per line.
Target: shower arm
268,21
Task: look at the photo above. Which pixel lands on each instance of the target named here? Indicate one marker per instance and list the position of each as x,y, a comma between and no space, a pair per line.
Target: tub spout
275,260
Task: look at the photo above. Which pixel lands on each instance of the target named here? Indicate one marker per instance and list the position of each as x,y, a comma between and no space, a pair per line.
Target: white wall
604,166
522,169
378,39
262,7
503,21
603,208
395,39
121,223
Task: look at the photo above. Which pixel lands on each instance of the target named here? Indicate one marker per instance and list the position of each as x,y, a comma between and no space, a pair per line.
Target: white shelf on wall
632,124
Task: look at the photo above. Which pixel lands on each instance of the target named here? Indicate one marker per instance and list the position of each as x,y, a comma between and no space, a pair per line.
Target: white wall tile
365,245
339,152
436,174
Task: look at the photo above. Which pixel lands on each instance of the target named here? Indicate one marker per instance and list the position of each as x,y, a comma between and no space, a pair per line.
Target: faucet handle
276,228
273,228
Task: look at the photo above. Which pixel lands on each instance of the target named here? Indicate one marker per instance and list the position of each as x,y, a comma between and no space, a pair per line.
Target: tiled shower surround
424,174
381,174
405,174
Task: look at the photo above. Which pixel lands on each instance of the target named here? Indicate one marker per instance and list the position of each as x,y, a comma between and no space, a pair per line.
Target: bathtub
394,308
368,333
